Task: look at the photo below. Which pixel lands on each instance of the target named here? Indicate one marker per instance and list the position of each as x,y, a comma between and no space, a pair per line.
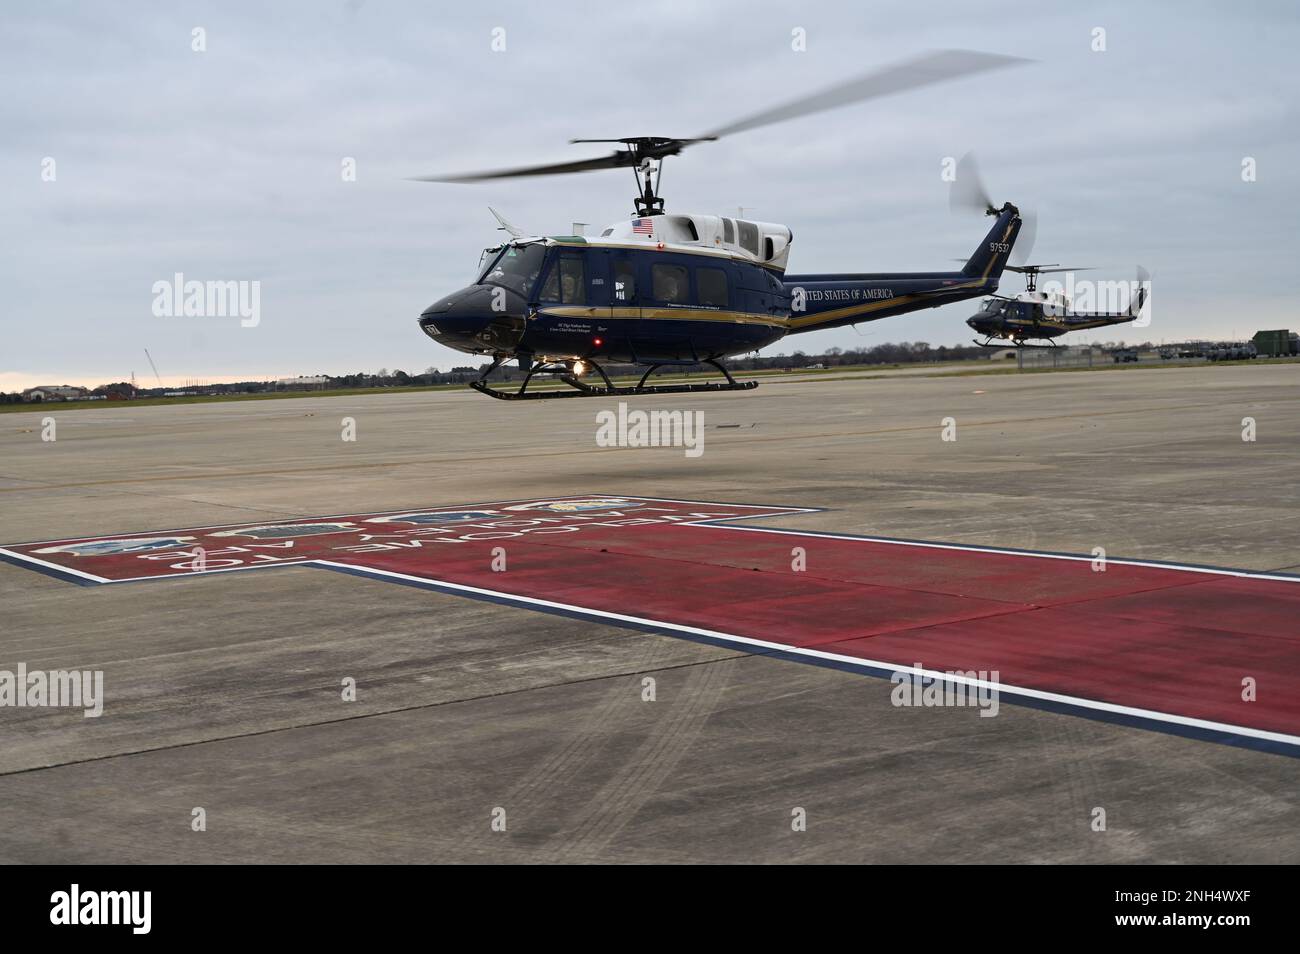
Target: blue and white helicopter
664,289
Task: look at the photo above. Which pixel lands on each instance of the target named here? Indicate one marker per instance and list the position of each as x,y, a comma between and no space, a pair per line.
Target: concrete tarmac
223,693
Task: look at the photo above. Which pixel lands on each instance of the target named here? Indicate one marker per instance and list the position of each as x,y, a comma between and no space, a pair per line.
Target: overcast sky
225,164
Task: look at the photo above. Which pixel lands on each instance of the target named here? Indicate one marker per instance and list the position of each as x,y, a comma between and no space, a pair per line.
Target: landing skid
1015,344
607,389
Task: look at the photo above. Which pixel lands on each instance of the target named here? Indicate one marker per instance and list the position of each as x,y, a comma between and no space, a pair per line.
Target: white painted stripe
771,512
54,566
184,574
1076,701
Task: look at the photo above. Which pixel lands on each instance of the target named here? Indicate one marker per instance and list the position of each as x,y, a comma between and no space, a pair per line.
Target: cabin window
712,286
728,232
748,236
567,282
624,282
670,283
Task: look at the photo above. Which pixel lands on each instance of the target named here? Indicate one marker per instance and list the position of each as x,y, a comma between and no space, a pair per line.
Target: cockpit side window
573,282
517,269
566,282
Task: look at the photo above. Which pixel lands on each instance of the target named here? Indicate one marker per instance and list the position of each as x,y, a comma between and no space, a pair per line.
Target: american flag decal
643,226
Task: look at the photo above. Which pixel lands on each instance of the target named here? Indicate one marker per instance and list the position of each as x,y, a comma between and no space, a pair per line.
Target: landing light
579,368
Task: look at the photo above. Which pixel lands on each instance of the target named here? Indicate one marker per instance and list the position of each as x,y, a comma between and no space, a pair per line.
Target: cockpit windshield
517,269
487,258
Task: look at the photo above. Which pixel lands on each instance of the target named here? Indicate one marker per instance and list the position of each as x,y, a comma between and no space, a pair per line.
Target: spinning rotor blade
1144,288
923,70
1025,240
1046,269
968,190
641,140
615,160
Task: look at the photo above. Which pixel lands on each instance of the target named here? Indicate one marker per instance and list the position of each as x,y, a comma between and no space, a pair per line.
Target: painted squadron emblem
114,547
445,516
284,531
579,506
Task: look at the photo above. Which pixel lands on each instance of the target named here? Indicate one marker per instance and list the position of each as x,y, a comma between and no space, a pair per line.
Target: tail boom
820,301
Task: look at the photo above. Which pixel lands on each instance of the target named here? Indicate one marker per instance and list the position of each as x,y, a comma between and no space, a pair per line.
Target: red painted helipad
1159,645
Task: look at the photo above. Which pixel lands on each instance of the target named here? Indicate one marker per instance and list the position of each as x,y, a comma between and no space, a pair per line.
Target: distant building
55,392
305,382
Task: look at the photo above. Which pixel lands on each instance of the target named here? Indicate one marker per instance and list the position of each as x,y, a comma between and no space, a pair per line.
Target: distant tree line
903,352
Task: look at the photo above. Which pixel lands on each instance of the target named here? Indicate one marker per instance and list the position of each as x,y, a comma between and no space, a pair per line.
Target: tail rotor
969,194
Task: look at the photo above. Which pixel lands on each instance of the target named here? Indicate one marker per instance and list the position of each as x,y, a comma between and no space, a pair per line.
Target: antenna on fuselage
505,226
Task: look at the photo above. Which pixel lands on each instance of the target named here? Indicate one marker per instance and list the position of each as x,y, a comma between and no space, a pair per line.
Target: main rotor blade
648,141
615,160
1026,269
924,70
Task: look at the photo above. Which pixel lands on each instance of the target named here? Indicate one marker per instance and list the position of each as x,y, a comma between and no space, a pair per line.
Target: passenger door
667,306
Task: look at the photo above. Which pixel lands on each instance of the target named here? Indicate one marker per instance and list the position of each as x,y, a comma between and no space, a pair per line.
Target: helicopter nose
478,319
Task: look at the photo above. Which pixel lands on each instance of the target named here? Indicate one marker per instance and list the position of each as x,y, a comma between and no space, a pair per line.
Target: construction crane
157,377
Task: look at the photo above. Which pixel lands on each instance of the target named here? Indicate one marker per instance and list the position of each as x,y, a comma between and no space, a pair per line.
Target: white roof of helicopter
763,243
1042,297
